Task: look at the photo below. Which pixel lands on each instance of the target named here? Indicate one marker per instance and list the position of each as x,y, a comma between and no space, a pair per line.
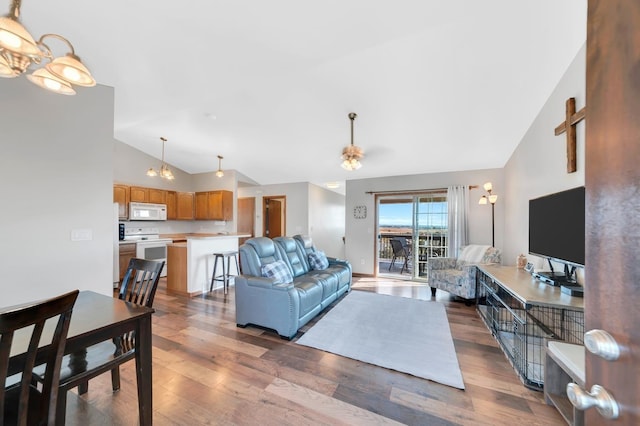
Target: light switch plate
81,235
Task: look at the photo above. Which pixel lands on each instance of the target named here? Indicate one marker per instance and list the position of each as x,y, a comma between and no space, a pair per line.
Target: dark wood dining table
96,318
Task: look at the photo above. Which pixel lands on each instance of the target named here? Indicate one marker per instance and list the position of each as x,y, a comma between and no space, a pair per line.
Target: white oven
153,250
149,245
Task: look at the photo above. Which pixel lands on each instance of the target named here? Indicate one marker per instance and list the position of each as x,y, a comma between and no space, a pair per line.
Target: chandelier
165,171
219,173
352,154
19,50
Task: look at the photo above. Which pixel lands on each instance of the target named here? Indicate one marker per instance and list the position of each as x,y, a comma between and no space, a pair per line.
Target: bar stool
223,255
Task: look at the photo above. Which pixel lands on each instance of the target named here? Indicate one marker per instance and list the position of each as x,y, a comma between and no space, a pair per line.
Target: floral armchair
458,275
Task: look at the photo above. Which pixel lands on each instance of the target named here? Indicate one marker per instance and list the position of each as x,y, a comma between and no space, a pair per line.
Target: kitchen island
190,261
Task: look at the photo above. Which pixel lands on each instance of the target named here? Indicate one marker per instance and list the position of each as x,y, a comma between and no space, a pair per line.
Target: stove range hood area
147,211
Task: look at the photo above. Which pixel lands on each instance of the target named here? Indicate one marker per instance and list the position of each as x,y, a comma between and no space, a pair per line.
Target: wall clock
360,212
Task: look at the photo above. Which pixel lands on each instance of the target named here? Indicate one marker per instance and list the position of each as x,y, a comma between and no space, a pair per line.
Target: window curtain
458,212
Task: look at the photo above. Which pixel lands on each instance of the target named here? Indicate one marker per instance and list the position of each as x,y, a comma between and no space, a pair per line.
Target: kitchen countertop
202,236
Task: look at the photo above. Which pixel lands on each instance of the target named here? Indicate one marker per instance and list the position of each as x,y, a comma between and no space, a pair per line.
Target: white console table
523,314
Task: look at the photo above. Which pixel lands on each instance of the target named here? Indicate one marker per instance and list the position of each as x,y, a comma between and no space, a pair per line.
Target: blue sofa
286,306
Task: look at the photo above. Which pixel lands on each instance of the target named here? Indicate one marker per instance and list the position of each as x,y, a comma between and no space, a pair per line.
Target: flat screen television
557,226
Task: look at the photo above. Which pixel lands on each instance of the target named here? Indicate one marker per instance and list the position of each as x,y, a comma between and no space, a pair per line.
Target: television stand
523,314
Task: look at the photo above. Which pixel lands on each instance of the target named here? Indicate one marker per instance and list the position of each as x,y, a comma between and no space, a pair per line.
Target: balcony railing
431,243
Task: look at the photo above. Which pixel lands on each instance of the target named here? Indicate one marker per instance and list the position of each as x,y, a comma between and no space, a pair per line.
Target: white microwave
147,211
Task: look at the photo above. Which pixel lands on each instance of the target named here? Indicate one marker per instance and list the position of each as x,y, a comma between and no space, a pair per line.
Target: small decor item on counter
521,261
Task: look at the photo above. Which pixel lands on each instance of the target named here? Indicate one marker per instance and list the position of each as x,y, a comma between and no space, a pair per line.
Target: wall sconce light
219,173
491,198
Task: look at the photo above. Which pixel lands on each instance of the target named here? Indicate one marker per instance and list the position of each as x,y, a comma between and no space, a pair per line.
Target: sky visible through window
431,215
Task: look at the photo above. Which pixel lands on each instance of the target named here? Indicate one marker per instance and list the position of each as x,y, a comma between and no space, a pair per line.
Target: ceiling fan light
15,38
71,69
46,80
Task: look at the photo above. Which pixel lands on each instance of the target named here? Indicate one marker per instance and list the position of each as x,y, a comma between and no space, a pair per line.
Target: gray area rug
408,335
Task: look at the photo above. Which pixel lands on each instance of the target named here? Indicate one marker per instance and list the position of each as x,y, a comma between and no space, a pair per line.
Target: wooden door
246,217
273,213
612,181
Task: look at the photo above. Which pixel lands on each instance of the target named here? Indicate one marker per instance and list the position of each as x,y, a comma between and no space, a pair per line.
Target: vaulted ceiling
437,85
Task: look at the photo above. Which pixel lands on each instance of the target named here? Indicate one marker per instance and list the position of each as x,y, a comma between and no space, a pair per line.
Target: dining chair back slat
22,401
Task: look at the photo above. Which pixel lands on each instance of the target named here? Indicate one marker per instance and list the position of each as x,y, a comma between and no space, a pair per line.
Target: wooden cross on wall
572,118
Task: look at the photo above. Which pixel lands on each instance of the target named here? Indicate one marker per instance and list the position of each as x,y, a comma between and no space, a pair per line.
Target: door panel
273,213
612,181
246,217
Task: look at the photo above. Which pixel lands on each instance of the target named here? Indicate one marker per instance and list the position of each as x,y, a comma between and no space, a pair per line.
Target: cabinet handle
598,397
602,344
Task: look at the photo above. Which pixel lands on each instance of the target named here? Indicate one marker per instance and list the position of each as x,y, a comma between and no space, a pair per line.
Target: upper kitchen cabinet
185,205
157,196
172,205
148,195
139,194
180,205
214,205
121,196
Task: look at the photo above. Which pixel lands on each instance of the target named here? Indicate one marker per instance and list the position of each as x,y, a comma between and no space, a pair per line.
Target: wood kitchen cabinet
179,205
121,196
127,251
157,196
214,205
172,205
139,194
185,206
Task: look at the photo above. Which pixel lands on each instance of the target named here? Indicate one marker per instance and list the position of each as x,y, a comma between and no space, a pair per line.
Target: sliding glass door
419,222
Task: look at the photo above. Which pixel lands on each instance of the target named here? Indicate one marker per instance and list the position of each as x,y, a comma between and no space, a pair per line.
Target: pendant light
219,173
352,154
165,171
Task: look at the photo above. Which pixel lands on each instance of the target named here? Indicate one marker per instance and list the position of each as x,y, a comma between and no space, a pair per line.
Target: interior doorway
274,214
246,217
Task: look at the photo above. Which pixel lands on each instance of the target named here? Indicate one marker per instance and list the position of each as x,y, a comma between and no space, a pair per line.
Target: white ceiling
437,85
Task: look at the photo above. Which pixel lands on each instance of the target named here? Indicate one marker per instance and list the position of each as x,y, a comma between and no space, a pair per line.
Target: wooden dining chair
138,286
23,402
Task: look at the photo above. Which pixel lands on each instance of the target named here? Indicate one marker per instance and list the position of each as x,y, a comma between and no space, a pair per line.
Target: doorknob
598,397
601,343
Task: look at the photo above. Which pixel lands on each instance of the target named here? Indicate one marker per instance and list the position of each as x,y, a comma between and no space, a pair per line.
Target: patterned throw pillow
318,260
277,270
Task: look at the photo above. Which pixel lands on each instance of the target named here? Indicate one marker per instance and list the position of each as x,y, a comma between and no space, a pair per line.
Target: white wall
538,165
360,233
297,205
326,220
56,174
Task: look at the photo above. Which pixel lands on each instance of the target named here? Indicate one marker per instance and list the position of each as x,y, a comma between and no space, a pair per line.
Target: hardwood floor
208,371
